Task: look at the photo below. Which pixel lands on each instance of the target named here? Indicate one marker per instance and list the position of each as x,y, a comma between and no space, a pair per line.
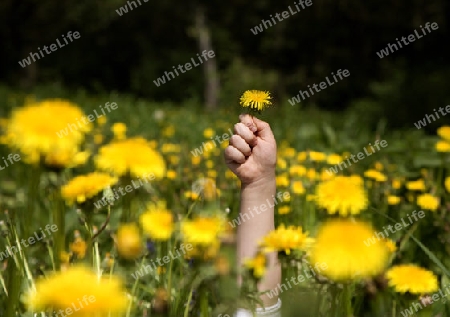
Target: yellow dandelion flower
411,278
41,129
102,120
393,200
256,99
325,175
376,175
170,148
317,156
128,241
230,175
119,130
257,265
428,201
171,174
297,188
66,158
131,156
443,146
80,290
281,163
334,159
312,174
288,152
203,252
282,181
208,133
64,257
301,156
195,160
283,210
157,222
340,245
297,170
209,163
79,246
390,245
191,195
83,187
174,159
202,230
416,185
444,132
284,239
342,194
447,184
211,173
379,166
396,183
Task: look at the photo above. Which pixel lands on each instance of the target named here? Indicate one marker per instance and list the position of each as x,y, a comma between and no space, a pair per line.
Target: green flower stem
14,283
33,194
186,310
127,215
169,279
204,307
334,296
59,235
348,292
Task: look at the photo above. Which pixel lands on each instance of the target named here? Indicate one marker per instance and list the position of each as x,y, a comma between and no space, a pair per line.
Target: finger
244,132
233,155
248,121
263,129
239,143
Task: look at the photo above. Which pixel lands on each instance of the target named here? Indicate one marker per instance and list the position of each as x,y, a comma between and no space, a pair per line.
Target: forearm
257,204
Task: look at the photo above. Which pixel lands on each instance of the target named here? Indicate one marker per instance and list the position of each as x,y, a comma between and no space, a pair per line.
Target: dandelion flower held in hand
256,100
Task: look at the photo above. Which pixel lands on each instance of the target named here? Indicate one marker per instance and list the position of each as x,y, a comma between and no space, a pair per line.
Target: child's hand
252,152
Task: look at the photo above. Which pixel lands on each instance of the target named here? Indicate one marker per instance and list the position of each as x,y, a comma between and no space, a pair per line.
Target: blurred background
124,53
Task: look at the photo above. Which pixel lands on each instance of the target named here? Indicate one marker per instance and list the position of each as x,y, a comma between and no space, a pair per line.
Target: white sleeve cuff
272,311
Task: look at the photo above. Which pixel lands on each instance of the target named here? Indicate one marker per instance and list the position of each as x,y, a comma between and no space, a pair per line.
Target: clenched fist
252,152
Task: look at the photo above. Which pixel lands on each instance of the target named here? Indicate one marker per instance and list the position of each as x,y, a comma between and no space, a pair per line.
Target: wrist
262,182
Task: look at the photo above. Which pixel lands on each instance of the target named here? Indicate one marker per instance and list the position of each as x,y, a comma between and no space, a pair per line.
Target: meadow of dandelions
159,246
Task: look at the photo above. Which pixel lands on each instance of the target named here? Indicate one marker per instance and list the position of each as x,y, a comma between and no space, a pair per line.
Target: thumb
263,129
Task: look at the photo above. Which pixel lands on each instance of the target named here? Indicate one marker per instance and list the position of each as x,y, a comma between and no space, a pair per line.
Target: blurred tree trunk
211,92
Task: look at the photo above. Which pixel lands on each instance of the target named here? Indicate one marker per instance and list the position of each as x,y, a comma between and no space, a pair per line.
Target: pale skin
252,156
